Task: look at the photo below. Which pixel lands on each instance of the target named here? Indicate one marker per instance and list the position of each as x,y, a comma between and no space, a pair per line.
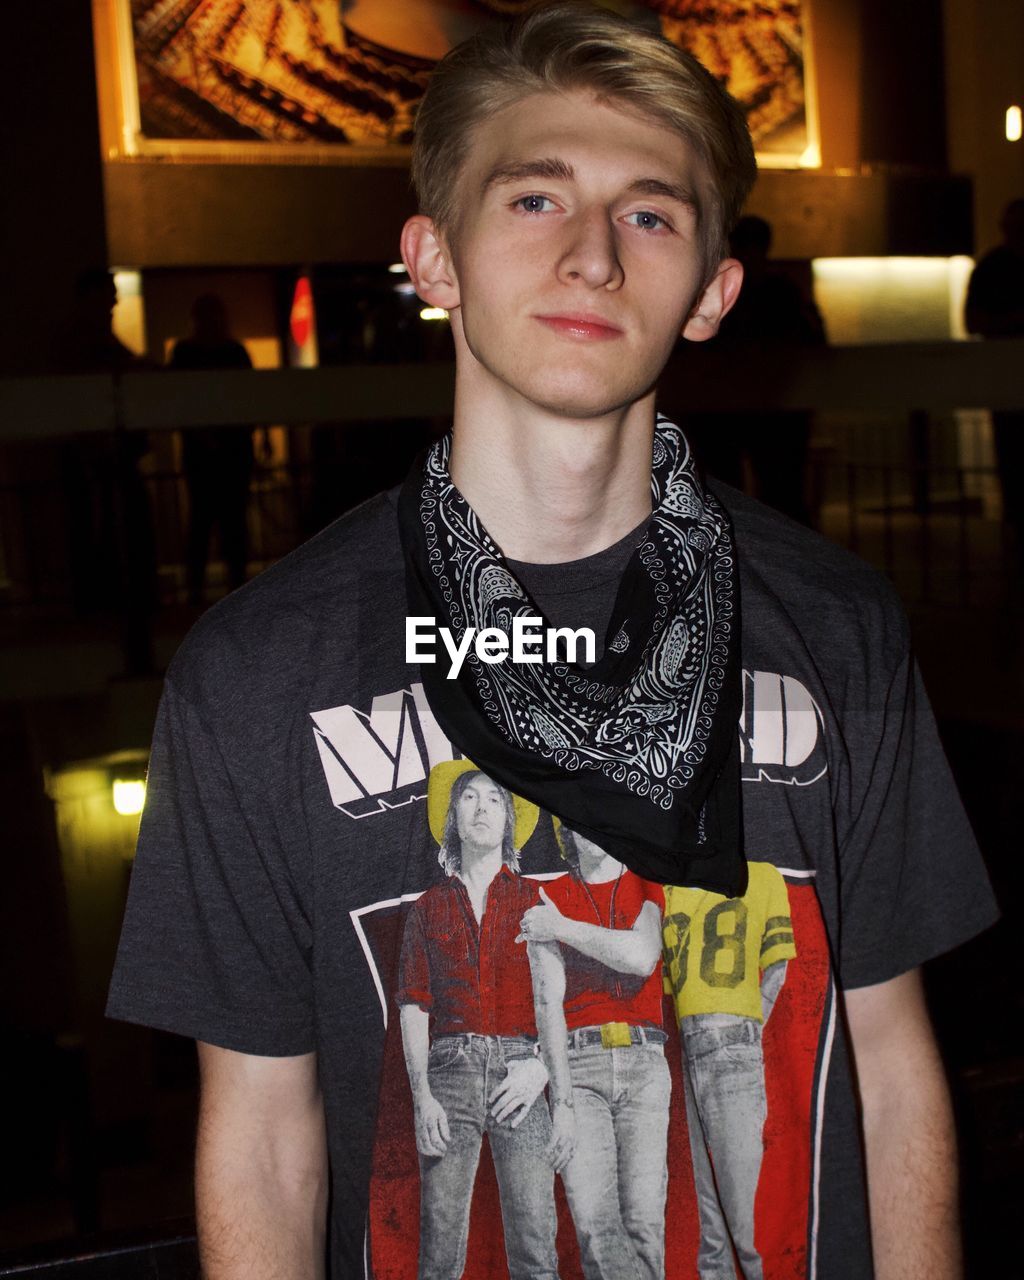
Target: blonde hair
568,46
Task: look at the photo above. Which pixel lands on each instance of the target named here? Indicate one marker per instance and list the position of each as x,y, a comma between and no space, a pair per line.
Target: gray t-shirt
287,837
580,593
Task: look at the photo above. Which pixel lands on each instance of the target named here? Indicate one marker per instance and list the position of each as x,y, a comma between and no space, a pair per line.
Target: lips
582,325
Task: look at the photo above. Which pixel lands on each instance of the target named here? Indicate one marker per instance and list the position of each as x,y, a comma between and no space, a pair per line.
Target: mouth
582,325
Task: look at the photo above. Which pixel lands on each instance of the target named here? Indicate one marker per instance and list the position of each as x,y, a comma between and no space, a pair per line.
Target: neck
479,866
549,489
600,872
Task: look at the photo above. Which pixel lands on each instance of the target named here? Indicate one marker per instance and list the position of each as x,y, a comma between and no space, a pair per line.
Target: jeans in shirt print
726,1109
727,962
596,956
617,1180
463,1072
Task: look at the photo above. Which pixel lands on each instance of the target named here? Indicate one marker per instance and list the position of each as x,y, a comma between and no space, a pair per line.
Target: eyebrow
561,171
667,190
517,170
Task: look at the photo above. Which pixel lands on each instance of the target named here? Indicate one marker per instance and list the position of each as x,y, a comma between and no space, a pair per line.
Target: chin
574,393
587,402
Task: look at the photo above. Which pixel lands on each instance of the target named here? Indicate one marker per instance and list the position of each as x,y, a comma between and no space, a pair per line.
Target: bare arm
431,1120
547,970
909,1138
771,984
636,950
261,1167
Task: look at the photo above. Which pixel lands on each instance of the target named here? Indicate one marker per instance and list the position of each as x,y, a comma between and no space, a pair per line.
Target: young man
577,178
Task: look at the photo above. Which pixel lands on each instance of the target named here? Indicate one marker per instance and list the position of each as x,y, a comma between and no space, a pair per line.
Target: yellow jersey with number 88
716,948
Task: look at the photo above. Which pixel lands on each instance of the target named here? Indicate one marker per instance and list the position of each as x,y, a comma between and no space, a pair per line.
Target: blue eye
647,221
533,204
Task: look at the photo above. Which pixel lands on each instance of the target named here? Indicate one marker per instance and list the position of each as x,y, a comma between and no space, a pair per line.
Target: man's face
481,813
591,855
576,253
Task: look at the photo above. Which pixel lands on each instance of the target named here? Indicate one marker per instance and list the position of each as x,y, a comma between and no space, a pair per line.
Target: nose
591,253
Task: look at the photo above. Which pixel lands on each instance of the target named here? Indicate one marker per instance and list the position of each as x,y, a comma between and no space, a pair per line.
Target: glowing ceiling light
129,796
1013,124
433,313
810,157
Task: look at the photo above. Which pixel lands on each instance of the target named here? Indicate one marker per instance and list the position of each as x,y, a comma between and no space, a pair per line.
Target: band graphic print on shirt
691,1033
378,760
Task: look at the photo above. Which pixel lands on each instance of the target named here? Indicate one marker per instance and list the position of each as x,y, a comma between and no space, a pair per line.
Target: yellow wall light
129,796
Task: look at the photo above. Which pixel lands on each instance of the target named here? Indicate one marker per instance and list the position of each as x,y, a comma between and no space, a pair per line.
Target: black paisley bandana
639,752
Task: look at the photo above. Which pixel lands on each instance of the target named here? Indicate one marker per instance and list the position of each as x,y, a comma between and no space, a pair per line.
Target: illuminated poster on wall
350,72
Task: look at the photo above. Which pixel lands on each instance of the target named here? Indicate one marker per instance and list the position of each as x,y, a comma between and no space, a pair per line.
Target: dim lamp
129,796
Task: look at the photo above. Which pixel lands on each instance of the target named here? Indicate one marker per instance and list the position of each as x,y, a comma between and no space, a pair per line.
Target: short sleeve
912,882
217,941
414,965
777,941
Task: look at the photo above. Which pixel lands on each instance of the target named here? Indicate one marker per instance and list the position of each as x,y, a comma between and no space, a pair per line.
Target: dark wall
902,83
53,223
880,88
247,215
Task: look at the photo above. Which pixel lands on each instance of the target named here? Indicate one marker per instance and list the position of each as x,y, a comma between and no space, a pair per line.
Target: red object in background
301,319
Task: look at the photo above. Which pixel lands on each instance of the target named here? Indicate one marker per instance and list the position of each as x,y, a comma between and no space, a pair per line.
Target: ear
715,303
428,263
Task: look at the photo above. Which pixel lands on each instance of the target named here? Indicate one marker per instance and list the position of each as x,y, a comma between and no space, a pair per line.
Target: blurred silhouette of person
995,309
88,343
217,461
771,311
112,546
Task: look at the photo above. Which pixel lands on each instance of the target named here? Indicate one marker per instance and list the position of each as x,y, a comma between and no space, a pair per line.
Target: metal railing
167,1253
910,507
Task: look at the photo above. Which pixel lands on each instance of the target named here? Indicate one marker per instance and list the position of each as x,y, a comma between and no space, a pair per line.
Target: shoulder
432,900
638,890
996,270
684,898
794,579
763,877
182,349
994,260
261,638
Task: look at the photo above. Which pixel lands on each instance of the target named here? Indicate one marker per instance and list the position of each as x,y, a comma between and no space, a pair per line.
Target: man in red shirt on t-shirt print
595,951
470,1035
